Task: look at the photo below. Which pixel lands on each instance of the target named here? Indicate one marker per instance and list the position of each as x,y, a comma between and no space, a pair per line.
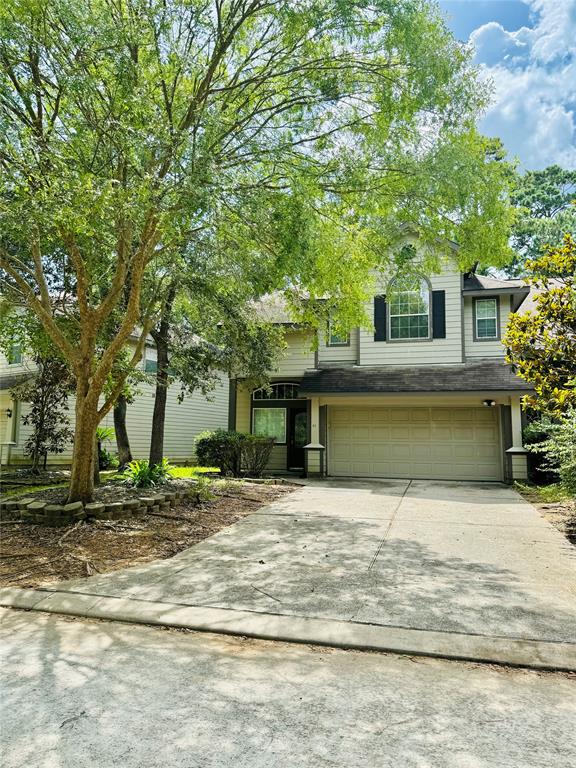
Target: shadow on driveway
471,558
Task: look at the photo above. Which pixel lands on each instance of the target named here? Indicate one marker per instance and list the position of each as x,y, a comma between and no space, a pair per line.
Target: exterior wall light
489,403
9,413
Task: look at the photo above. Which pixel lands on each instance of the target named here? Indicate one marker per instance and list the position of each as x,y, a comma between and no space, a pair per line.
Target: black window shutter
438,314
379,318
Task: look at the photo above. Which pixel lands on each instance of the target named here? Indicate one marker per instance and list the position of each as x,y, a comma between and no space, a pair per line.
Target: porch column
8,415
314,420
314,451
517,453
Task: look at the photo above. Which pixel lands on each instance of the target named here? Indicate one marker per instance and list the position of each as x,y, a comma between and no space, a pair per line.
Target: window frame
330,334
154,362
475,318
14,356
273,396
389,315
272,408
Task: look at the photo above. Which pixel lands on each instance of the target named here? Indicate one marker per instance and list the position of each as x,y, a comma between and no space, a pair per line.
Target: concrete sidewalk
473,565
78,694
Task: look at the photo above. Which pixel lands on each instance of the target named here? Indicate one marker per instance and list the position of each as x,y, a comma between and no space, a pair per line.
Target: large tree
130,127
546,203
541,343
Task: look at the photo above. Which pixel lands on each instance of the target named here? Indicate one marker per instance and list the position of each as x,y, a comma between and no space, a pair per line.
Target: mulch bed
561,514
33,555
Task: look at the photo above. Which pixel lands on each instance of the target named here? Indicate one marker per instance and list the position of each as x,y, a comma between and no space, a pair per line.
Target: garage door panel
420,414
444,443
485,434
399,414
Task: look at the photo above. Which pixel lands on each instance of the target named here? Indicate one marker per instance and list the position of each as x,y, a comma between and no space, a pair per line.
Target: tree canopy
298,136
547,211
541,343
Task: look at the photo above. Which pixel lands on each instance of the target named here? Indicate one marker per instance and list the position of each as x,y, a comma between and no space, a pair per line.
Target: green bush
106,460
559,448
221,448
256,452
203,488
140,474
234,451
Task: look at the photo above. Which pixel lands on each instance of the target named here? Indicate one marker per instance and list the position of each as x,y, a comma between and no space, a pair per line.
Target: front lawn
193,471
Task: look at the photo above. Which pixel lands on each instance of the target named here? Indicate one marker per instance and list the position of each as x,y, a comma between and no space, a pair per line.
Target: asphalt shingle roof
486,283
487,375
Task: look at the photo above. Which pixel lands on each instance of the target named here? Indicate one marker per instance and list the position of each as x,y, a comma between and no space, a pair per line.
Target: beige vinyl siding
490,348
183,422
335,355
7,369
278,458
298,356
428,352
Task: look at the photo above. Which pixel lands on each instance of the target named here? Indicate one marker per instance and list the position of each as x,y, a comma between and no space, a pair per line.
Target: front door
297,437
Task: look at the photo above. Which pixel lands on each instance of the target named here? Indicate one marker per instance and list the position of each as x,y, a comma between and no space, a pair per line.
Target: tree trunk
161,337
159,416
122,441
82,474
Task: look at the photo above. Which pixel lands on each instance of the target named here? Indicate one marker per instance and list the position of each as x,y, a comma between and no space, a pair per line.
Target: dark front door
297,437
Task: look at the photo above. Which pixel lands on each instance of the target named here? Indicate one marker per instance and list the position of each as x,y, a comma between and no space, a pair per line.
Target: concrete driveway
468,558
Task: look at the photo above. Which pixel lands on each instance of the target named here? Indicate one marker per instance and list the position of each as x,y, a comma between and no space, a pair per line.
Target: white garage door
443,443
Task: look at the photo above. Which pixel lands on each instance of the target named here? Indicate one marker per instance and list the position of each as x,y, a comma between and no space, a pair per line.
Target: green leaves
542,343
260,146
546,203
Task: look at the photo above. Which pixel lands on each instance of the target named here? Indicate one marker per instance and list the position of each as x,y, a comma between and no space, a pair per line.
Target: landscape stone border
40,512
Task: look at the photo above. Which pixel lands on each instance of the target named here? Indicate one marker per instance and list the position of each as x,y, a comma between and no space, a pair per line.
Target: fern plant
141,474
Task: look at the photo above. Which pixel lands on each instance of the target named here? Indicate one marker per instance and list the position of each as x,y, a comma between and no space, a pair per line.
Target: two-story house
425,393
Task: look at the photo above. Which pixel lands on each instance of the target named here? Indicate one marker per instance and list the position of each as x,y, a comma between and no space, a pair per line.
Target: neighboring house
183,420
426,393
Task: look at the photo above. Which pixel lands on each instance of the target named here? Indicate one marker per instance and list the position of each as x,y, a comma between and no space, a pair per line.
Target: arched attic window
280,391
408,299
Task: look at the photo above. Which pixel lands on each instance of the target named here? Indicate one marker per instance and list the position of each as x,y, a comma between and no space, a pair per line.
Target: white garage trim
441,442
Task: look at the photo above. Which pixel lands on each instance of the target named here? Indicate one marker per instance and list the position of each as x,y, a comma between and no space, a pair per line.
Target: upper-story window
150,365
409,308
485,319
288,391
14,355
335,339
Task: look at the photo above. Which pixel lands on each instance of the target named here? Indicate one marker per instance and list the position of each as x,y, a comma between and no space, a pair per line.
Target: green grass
192,471
547,494
29,490
105,476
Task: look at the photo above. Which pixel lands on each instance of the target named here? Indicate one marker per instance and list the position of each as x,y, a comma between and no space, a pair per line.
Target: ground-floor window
270,422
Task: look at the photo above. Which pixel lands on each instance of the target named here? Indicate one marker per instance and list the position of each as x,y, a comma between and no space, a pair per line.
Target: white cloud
534,76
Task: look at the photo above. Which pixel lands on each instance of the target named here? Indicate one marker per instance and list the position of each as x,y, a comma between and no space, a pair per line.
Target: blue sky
527,50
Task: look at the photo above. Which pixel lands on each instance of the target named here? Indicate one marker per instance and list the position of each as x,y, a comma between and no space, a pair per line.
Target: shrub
233,451
140,474
204,489
105,459
256,452
559,448
221,448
